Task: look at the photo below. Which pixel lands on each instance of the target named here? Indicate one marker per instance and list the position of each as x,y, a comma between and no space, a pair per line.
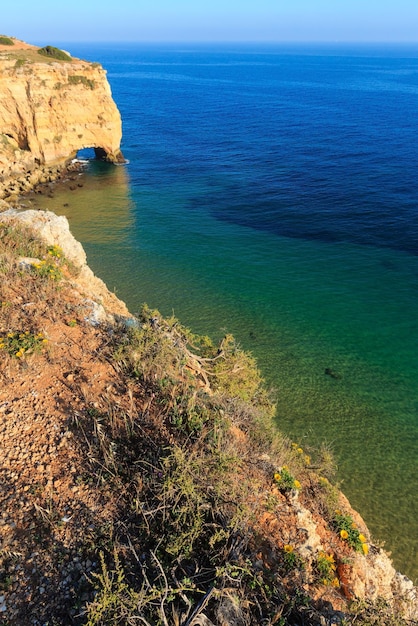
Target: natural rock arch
111,157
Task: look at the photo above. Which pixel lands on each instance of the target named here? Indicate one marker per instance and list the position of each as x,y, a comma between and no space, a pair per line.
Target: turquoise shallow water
300,307
272,192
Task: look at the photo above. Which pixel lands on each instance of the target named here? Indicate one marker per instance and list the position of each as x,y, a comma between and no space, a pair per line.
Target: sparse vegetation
291,558
54,53
349,532
47,269
375,613
6,41
285,480
75,79
19,344
326,569
180,452
18,241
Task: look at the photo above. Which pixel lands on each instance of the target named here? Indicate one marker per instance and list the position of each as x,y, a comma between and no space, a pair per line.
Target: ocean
272,192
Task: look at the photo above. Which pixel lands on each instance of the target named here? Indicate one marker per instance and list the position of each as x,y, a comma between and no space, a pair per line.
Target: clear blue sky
49,21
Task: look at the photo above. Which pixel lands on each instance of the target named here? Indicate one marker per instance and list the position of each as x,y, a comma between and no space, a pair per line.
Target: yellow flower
362,538
335,582
297,484
1,345
365,548
19,354
299,450
344,534
295,445
307,459
338,512
10,335
277,476
288,549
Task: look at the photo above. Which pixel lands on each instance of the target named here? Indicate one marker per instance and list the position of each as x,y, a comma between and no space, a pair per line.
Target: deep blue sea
272,192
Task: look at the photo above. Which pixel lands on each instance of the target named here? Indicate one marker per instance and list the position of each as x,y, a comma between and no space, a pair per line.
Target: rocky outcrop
54,230
371,578
50,109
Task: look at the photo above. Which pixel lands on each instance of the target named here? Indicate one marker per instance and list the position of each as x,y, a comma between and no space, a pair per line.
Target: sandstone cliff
50,109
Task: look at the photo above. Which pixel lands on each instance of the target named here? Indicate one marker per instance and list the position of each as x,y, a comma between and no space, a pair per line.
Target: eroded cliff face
51,109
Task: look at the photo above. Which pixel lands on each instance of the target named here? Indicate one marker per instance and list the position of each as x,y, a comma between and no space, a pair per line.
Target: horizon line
246,41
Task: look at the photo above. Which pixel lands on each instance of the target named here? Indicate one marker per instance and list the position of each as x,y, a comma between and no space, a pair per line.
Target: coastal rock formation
54,230
50,109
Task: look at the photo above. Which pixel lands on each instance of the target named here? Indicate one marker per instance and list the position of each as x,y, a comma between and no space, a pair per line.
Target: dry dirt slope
122,451
47,508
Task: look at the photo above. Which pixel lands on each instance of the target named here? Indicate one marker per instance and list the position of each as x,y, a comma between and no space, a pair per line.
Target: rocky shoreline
49,110
40,180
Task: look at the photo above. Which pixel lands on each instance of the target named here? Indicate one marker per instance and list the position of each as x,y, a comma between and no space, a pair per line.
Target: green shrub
54,53
6,41
348,531
285,480
325,569
291,559
18,344
19,240
76,79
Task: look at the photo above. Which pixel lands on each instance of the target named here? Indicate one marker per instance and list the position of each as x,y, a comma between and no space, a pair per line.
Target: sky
48,21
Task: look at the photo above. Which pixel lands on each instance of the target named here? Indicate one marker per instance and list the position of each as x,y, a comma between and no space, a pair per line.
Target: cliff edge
50,109
141,477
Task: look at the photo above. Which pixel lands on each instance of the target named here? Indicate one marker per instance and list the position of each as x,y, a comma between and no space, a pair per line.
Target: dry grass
181,453
26,56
